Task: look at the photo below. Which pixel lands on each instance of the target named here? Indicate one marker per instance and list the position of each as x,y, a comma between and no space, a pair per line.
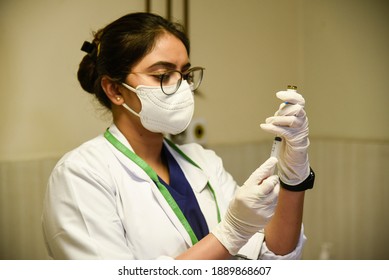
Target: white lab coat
101,205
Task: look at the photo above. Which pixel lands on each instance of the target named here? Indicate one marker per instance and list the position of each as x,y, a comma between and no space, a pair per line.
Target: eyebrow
168,65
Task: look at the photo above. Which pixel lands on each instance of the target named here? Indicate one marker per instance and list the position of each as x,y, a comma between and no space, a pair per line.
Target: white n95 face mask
161,113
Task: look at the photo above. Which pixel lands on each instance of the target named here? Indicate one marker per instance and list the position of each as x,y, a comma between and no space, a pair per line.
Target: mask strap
129,109
129,87
125,105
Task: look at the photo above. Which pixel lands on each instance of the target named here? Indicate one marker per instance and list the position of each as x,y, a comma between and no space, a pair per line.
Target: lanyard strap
153,175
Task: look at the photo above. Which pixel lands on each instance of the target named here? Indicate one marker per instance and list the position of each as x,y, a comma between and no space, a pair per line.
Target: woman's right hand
251,208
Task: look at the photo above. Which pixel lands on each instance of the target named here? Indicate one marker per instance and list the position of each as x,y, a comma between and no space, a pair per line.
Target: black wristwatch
303,186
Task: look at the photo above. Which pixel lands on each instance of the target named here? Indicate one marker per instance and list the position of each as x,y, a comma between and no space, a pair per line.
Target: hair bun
87,74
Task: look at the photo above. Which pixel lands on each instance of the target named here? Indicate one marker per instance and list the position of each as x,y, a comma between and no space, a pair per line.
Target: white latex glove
251,208
291,123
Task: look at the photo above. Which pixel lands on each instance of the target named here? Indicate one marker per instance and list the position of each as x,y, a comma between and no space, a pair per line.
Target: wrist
230,240
292,172
232,234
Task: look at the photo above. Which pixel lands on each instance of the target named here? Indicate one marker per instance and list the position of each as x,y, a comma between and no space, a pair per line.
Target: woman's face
169,53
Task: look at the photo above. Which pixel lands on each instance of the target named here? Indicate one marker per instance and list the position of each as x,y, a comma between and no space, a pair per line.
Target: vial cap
292,87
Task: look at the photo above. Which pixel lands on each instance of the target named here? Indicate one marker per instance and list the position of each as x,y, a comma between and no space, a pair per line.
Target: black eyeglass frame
183,75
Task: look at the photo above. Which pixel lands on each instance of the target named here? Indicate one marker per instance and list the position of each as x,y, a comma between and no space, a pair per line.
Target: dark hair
116,48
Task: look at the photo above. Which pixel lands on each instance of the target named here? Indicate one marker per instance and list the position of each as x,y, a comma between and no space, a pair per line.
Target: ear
111,89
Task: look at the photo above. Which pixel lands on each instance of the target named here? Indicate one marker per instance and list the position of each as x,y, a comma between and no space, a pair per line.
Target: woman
132,194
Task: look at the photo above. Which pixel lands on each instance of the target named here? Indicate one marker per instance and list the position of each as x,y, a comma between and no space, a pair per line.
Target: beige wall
345,61
336,51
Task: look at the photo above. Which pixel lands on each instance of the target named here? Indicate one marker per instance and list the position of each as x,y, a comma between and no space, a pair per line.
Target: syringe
275,149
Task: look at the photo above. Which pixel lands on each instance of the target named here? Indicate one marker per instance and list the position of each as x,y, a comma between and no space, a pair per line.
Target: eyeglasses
171,80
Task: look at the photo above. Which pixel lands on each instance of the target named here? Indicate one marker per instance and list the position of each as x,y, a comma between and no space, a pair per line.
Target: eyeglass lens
171,80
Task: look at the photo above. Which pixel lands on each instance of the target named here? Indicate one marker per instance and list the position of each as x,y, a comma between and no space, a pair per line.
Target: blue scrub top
182,193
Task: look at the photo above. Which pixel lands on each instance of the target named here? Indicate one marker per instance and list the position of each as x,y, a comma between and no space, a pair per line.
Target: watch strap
303,186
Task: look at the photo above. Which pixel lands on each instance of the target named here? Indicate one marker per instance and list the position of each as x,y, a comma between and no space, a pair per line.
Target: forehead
168,48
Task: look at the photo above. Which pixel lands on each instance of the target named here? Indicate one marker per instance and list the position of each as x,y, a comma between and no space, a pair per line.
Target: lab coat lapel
196,177
135,170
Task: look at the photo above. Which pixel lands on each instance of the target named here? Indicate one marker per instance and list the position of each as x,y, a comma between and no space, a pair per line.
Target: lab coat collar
117,133
195,176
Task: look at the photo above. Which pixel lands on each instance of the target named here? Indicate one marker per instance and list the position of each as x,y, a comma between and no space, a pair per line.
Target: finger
272,196
262,172
271,128
276,130
290,96
268,185
291,110
285,121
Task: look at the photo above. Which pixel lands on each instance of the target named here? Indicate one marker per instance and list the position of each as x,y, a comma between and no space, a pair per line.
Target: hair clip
88,47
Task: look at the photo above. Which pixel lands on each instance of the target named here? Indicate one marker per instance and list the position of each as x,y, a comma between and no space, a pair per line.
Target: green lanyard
153,175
